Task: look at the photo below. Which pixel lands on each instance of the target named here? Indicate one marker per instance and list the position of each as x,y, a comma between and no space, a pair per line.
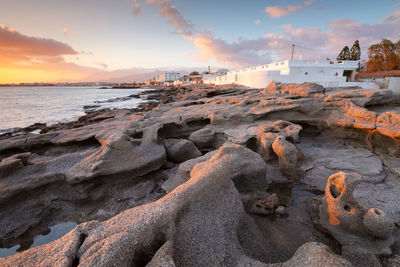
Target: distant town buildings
328,73
167,77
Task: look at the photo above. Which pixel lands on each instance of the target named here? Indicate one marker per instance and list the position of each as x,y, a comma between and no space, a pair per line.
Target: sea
24,106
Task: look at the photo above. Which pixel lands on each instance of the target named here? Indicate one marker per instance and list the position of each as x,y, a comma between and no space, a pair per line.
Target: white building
386,80
167,77
324,72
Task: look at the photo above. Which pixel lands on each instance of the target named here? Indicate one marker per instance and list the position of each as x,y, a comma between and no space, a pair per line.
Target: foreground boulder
203,138
202,223
181,150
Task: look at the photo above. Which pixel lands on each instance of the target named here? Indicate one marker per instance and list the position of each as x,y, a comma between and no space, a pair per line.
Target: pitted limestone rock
363,234
342,207
287,154
378,223
266,136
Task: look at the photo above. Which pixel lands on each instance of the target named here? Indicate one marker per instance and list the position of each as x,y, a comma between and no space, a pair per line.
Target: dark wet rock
91,107
265,206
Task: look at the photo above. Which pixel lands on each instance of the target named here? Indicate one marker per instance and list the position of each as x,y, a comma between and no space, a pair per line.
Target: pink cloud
13,42
393,18
276,11
340,33
314,42
174,17
240,53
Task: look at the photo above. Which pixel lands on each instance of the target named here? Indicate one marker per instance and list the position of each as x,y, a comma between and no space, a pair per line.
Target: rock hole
171,130
198,124
335,192
137,135
347,208
252,144
377,212
9,152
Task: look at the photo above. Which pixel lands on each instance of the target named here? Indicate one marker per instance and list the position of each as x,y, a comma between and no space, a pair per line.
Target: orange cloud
276,12
30,59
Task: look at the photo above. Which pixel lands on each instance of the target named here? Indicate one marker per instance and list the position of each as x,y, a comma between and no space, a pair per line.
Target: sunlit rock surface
178,183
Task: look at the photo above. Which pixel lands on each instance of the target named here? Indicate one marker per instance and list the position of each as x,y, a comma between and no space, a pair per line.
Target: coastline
192,163
52,113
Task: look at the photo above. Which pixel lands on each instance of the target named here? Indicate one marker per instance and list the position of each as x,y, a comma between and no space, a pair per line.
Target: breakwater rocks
292,175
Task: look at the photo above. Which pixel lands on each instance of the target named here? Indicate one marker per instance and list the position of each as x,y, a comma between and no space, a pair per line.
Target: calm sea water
24,106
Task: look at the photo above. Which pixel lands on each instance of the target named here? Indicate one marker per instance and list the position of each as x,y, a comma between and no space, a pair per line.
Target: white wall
394,84
326,73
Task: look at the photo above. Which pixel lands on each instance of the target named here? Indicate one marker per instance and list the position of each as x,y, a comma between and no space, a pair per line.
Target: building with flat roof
328,73
167,77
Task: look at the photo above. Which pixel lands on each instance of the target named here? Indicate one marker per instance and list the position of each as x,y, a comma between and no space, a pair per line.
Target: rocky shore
291,175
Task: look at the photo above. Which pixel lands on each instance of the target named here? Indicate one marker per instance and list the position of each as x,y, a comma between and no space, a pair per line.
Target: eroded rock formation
178,183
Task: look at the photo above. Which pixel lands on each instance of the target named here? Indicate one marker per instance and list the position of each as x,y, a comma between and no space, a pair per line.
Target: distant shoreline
106,86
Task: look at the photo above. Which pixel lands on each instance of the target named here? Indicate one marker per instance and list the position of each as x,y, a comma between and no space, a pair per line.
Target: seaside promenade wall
325,73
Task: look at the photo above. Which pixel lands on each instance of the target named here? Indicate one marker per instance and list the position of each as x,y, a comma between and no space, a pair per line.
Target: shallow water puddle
56,231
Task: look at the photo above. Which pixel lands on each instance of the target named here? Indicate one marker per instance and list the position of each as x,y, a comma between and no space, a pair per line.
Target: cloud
66,32
315,43
13,43
393,18
241,53
276,11
137,10
257,21
174,17
339,34
26,58
101,64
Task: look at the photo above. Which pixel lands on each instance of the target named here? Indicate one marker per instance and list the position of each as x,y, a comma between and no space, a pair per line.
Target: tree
355,51
344,54
194,73
384,56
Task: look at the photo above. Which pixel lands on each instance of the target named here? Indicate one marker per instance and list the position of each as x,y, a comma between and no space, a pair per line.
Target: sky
93,40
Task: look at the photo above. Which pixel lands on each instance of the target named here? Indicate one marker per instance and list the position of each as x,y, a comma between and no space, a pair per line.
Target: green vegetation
350,54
